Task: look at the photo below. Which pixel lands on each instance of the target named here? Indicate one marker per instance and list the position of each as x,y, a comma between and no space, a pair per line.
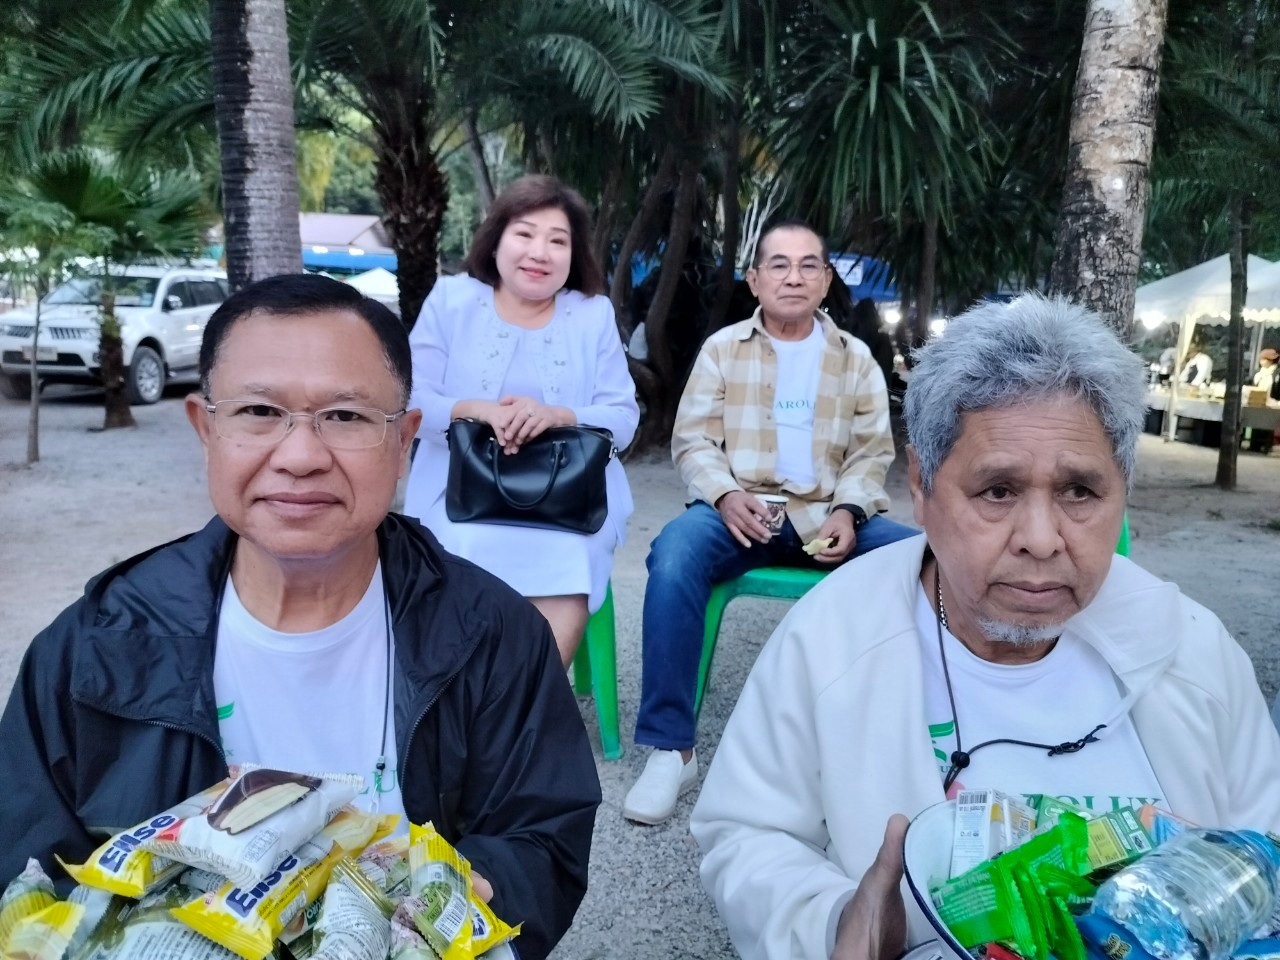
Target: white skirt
533,562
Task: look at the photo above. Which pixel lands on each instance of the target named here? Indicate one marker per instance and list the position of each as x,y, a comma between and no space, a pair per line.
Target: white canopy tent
379,284
1201,295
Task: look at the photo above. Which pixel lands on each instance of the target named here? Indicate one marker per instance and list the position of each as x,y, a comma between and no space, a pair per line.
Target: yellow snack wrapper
386,864
439,900
28,893
354,922
487,930
44,935
252,825
122,865
247,920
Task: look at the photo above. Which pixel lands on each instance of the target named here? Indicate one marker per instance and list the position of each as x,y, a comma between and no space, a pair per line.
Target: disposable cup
776,511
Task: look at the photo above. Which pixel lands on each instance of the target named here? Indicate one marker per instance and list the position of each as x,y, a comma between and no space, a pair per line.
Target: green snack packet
1049,811
990,902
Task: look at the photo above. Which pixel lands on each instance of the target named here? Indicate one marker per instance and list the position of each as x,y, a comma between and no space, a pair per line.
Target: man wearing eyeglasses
308,628
783,405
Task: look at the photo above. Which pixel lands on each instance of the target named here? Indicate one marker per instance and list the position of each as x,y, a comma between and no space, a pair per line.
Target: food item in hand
247,920
147,931
354,921
44,935
28,893
815,547
439,900
256,795
386,864
265,832
123,865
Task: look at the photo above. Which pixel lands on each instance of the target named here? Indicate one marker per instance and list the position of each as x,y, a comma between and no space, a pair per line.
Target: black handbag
554,481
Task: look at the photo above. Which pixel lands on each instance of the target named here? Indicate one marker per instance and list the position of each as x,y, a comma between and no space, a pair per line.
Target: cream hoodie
829,739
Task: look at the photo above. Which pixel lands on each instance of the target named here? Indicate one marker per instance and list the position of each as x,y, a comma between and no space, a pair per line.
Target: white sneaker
652,799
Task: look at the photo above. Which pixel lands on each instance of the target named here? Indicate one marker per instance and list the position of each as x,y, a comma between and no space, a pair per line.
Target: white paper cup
776,511
926,858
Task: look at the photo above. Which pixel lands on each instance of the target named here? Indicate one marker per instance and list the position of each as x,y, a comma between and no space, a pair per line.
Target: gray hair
1000,355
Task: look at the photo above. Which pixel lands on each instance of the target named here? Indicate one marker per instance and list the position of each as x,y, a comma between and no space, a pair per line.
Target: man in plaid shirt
783,404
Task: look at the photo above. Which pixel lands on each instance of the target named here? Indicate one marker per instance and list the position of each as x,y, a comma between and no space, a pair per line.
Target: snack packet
354,922
1049,811
146,931
28,893
487,931
255,822
97,905
1115,839
248,920
987,822
386,864
440,894
44,935
122,865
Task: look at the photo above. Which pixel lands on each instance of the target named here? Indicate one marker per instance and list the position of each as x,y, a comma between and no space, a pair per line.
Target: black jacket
112,719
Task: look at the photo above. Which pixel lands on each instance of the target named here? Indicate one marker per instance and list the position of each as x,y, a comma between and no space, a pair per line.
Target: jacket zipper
191,731
413,731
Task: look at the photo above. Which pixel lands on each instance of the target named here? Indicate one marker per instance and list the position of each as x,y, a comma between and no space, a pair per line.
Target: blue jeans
693,553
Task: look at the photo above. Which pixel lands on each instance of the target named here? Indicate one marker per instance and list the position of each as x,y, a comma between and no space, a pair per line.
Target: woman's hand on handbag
528,419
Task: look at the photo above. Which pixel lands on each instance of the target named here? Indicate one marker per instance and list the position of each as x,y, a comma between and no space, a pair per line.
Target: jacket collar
148,626
1132,622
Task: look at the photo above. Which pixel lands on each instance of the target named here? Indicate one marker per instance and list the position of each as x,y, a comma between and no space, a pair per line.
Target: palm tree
878,119
1099,241
253,103
406,66
123,213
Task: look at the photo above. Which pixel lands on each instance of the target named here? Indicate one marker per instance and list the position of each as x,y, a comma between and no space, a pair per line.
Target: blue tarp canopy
865,277
342,259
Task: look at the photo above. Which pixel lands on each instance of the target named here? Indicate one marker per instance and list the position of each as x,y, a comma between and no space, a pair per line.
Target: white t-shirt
311,701
799,368
1059,698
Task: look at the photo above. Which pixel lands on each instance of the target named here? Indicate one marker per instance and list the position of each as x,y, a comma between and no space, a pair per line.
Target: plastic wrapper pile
265,864
1047,880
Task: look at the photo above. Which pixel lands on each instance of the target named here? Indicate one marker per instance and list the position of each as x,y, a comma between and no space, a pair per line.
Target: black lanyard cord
960,758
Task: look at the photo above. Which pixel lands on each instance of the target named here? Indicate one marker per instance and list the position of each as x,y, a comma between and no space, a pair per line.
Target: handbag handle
557,455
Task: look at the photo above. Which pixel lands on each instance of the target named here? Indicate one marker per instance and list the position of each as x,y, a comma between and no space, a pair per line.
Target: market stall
1202,296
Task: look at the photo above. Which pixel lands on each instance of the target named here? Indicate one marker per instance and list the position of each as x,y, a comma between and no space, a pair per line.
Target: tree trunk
607,214
479,166
111,357
253,106
732,207
1104,196
926,281
660,415
414,193
33,419
1229,444
645,219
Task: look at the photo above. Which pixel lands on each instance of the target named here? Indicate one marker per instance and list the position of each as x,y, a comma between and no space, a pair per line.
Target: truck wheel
145,382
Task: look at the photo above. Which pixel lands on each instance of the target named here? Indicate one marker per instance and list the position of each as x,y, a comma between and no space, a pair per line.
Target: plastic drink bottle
1198,896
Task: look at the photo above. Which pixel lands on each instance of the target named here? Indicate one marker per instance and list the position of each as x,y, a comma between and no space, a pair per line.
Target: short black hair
299,294
788,223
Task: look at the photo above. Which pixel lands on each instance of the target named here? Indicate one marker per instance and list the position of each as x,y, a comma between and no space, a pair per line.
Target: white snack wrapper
255,822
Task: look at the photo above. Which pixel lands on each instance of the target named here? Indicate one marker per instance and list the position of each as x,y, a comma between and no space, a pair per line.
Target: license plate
43,353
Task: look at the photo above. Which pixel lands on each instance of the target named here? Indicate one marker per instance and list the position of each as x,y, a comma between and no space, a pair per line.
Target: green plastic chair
595,670
779,583
1122,547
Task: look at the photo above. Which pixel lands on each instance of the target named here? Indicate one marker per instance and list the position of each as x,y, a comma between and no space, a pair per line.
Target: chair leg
721,594
601,639
582,664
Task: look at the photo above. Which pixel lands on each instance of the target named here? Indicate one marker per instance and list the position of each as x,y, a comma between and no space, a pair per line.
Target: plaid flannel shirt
725,438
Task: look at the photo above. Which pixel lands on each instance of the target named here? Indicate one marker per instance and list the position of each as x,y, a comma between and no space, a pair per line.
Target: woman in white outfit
525,341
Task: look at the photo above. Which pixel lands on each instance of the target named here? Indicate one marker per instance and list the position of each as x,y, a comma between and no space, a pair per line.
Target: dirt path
97,498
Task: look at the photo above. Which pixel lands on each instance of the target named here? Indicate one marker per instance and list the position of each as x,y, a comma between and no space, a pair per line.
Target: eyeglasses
779,268
263,424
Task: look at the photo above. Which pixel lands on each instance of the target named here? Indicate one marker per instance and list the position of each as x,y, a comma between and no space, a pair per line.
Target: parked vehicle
162,312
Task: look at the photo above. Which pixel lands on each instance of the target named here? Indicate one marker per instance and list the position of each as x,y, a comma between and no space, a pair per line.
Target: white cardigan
829,739
462,349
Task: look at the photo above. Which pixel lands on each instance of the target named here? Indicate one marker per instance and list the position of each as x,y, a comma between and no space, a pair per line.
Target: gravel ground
96,498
